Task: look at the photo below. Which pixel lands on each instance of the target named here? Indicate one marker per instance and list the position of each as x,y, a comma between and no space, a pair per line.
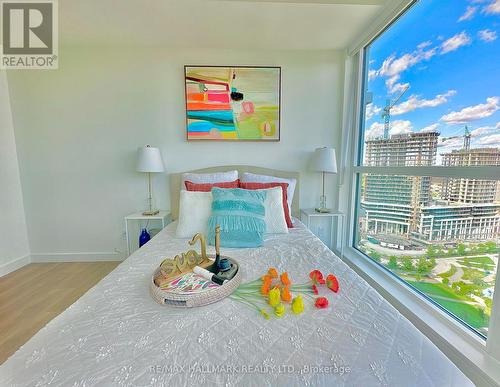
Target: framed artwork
233,103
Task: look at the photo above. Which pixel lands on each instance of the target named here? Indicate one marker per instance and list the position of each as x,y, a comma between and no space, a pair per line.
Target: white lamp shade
149,159
324,160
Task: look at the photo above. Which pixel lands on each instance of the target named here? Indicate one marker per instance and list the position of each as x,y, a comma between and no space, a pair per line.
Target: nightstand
163,217
309,216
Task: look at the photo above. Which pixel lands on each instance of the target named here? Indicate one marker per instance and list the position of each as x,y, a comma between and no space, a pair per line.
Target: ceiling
223,24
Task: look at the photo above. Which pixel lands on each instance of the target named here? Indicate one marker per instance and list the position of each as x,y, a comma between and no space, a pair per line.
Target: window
428,194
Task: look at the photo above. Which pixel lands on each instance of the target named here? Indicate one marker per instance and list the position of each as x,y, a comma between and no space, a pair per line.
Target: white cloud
493,7
425,44
397,127
430,128
484,129
469,14
455,42
487,35
473,113
393,66
372,110
396,87
401,126
414,102
494,139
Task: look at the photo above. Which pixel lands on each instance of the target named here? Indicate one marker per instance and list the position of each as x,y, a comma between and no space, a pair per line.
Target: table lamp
323,160
149,160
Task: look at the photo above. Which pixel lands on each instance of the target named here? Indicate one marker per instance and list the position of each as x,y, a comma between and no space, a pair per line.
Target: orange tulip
273,272
285,280
266,278
264,289
286,295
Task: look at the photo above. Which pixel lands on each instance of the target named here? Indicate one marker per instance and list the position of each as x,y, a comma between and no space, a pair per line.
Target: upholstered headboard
176,180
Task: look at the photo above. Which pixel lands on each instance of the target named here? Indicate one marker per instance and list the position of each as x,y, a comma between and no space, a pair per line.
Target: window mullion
493,341
482,172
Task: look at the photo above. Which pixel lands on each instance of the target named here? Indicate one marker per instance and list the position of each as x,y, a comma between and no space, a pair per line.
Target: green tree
446,281
423,267
407,264
393,262
375,256
431,251
491,247
461,249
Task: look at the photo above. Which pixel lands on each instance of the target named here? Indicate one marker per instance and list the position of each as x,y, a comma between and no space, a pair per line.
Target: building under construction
402,205
392,203
471,190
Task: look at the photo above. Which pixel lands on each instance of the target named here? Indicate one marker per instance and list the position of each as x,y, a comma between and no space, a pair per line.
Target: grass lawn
449,273
436,290
466,312
484,263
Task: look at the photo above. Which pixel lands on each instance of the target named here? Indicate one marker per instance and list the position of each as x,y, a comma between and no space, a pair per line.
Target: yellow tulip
274,297
297,305
279,310
264,313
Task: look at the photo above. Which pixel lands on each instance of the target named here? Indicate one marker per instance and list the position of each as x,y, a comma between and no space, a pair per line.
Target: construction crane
386,115
466,136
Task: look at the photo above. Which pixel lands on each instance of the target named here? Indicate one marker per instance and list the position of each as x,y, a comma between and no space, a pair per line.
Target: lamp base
151,212
322,210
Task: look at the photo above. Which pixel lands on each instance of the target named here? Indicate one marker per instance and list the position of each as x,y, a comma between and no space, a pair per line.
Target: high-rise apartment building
471,190
392,203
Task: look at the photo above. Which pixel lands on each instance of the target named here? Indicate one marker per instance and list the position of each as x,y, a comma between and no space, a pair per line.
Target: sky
448,53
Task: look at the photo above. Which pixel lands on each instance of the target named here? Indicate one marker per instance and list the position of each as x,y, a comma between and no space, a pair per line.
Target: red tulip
332,283
315,289
317,277
321,303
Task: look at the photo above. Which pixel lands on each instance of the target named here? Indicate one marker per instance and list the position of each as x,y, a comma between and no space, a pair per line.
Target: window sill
457,342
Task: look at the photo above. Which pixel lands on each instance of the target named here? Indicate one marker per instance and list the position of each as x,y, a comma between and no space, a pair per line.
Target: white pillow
194,210
253,178
203,178
275,215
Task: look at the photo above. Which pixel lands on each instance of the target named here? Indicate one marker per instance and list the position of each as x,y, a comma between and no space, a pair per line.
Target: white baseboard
13,265
76,257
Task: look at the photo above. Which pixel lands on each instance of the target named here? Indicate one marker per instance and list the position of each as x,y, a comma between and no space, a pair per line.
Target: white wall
78,128
14,248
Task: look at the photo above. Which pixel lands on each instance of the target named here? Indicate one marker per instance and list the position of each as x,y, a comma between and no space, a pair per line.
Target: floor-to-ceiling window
428,194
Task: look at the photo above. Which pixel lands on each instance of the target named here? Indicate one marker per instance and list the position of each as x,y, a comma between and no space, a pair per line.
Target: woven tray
206,297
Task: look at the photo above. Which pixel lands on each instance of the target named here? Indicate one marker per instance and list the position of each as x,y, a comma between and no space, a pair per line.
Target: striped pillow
240,214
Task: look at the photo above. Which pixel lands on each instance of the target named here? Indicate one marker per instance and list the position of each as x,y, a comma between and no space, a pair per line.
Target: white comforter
117,335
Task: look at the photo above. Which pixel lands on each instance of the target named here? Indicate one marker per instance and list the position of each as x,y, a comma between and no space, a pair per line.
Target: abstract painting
237,103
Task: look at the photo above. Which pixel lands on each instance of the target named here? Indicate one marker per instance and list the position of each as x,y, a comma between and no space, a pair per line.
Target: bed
116,334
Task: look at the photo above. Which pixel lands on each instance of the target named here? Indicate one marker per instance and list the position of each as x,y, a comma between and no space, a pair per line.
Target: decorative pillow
253,178
194,210
207,187
275,214
284,186
215,177
241,216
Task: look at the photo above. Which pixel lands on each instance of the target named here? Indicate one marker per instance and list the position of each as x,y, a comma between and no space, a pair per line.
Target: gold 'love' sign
184,262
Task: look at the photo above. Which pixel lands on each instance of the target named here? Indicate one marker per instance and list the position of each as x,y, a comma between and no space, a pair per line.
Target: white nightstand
306,216
163,217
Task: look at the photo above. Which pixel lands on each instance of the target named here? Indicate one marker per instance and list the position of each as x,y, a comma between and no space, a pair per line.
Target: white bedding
117,335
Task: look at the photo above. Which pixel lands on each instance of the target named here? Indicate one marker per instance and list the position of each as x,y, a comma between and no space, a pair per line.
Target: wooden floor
33,295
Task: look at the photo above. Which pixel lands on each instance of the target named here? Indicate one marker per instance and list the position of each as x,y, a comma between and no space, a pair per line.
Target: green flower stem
256,297
241,299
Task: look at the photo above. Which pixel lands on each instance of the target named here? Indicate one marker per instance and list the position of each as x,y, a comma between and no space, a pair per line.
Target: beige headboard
176,180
